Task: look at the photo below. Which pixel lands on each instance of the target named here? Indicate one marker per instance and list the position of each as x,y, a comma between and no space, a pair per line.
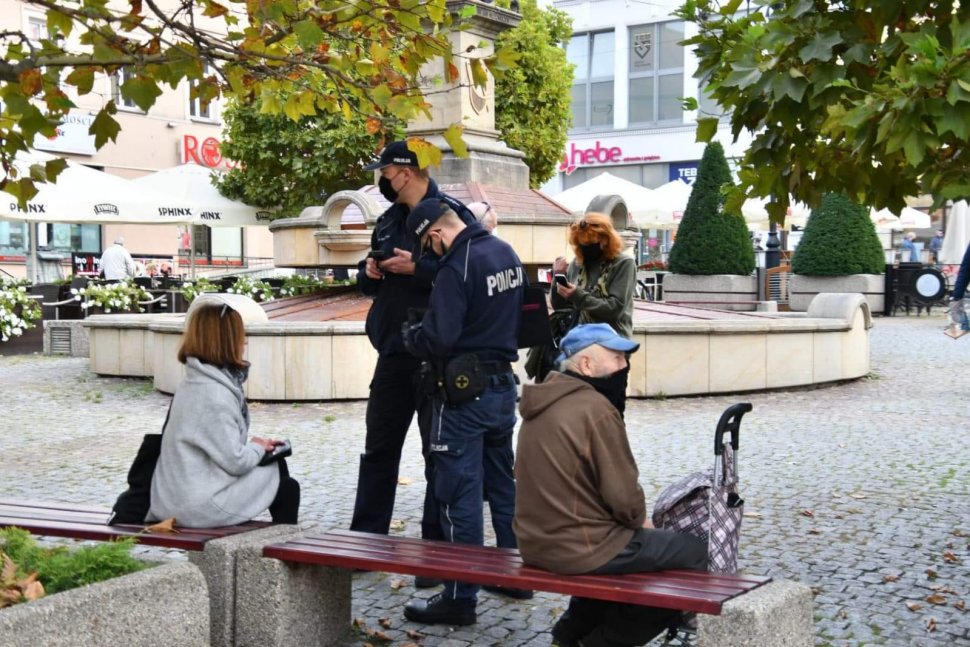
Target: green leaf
820,47
104,127
142,90
309,34
81,78
706,129
453,135
58,22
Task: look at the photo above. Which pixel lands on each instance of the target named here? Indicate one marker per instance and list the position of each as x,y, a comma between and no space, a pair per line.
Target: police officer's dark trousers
394,398
471,445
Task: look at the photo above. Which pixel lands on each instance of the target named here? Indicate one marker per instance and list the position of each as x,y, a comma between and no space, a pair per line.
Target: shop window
13,238
118,79
656,64
197,109
592,94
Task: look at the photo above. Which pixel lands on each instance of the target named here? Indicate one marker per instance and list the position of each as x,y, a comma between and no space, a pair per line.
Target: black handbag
132,504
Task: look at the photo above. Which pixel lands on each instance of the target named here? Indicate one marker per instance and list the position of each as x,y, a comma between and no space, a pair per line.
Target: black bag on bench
132,504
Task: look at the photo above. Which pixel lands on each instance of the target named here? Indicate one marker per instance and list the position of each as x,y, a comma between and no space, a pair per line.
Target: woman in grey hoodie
208,475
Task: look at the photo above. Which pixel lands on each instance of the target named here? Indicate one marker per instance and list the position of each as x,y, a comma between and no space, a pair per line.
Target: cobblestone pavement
860,490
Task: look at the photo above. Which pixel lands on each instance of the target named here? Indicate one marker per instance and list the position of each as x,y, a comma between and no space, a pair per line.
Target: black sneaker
426,582
518,594
439,610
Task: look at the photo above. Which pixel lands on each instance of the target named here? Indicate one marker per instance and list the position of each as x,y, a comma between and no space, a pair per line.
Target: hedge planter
165,605
717,290
802,289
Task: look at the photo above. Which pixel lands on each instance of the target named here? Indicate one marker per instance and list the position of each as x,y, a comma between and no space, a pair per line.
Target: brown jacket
577,499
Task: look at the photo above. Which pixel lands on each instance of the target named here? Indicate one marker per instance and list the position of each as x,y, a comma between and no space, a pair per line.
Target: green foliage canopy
839,239
297,57
294,164
533,101
711,239
858,97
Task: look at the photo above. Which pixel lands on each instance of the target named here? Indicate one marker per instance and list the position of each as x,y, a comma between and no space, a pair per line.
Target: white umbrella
86,195
883,219
957,234
578,197
908,218
755,212
191,185
668,203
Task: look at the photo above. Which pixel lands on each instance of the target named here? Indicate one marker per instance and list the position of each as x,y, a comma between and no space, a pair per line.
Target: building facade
174,131
631,75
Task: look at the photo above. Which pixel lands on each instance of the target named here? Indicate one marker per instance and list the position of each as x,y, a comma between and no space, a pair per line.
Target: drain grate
60,341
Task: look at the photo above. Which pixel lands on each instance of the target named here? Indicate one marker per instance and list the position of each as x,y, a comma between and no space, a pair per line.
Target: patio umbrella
957,234
908,218
86,195
883,218
755,212
668,204
577,198
191,186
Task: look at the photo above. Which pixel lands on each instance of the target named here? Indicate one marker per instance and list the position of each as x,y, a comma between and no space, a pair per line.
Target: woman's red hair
595,228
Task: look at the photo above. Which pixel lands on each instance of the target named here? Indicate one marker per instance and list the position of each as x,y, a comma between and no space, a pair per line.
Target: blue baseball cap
585,335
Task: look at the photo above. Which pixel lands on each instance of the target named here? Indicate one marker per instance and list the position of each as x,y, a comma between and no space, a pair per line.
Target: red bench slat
90,522
684,590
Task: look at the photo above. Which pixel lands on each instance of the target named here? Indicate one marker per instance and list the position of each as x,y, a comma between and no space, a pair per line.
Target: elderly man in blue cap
579,507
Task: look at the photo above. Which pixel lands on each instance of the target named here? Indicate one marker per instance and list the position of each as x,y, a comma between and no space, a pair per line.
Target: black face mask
612,387
384,185
591,253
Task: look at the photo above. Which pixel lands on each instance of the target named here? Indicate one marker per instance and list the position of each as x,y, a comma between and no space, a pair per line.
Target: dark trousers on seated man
601,623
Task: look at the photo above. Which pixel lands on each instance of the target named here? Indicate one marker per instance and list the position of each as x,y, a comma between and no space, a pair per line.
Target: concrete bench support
777,614
280,604
163,605
218,563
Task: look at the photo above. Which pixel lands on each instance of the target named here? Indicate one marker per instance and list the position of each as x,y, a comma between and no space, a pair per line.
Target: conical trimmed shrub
839,239
710,241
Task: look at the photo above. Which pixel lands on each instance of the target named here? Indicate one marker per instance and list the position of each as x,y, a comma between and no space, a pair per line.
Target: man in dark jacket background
398,284
579,507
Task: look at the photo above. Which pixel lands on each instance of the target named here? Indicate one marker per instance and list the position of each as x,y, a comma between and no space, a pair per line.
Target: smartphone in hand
377,254
281,450
561,279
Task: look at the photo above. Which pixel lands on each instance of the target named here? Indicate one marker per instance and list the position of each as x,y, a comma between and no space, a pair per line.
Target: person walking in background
469,339
907,249
116,263
936,244
579,507
399,283
600,281
208,474
485,215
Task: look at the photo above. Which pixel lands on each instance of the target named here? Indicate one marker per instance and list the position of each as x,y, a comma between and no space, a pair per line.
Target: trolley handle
730,422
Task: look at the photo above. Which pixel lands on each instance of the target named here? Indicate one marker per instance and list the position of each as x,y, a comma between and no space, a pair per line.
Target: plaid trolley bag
707,503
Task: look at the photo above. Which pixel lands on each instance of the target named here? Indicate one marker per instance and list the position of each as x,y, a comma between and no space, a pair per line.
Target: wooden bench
90,522
213,550
693,591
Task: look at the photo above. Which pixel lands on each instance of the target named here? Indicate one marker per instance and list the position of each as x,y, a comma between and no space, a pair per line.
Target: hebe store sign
598,155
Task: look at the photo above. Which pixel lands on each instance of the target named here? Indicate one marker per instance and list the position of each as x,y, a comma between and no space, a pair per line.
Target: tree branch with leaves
299,58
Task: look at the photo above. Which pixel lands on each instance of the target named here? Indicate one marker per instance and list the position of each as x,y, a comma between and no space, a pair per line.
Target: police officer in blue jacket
398,283
469,336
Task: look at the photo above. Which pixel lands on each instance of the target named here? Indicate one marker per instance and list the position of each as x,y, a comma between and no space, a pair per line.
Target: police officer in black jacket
398,284
470,337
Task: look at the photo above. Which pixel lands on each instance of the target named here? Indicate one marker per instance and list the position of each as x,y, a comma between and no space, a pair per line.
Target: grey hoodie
207,474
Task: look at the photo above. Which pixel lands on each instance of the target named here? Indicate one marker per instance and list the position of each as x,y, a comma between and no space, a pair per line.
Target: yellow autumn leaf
165,527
